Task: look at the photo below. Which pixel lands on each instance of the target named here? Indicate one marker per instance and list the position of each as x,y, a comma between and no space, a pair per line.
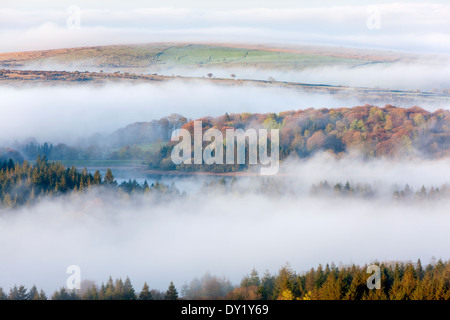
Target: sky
412,26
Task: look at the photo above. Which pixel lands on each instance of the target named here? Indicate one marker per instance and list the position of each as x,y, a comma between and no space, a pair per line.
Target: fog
379,171
409,72
64,114
265,222
426,73
227,234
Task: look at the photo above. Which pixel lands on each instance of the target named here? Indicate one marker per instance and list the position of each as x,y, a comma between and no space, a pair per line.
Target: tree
267,286
286,295
145,293
213,287
33,294
10,164
128,290
157,294
320,276
91,293
18,293
388,125
284,282
97,177
409,282
109,177
419,120
3,295
419,269
358,286
251,280
426,289
316,141
171,293
7,201
102,292
63,294
244,293
42,296
332,288
145,186
108,290
118,290
347,187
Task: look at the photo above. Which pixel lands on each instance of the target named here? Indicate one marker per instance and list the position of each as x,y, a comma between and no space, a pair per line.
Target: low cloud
63,114
420,74
226,234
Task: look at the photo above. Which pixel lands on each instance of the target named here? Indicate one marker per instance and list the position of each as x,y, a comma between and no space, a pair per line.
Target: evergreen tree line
399,281
367,191
64,152
431,193
112,290
274,186
22,184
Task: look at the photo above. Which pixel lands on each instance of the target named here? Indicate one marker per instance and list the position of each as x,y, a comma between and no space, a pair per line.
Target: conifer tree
145,293
128,290
91,293
18,293
3,295
266,287
171,293
109,289
284,281
118,290
109,177
419,270
33,294
97,178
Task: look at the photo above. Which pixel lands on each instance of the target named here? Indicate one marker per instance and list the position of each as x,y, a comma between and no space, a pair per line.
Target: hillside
373,132
7,153
376,96
139,58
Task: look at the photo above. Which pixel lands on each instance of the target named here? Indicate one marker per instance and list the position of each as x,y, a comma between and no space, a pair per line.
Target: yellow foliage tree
286,295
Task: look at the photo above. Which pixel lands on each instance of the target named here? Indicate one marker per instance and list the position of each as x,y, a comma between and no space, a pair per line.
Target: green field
207,55
189,55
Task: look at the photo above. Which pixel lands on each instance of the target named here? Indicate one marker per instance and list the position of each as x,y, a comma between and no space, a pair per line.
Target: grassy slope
186,55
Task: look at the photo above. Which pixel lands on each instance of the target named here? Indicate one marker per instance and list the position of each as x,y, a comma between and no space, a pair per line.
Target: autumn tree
109,177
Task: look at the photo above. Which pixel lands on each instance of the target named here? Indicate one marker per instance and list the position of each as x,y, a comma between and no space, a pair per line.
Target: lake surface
125,170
